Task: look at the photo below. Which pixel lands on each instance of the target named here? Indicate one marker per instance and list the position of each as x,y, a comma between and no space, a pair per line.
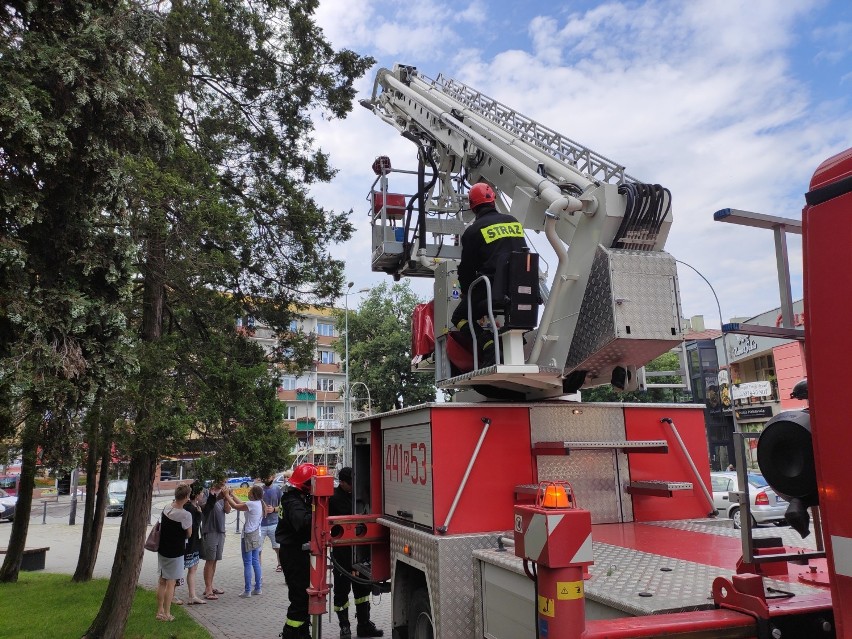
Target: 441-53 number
406,461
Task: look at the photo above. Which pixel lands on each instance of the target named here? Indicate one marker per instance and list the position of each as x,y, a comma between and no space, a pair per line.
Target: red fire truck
532,515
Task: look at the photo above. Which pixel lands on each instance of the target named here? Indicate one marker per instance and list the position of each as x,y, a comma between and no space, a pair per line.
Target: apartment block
314,410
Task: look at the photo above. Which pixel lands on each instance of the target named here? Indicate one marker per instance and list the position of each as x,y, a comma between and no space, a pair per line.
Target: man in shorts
271,497
213,512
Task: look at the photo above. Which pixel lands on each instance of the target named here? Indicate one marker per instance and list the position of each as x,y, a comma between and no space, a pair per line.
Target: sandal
216,591
196,602
178,602
278,569
211,597
165,617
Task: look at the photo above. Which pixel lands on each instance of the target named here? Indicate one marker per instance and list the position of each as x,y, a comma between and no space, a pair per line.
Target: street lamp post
369,399
347,427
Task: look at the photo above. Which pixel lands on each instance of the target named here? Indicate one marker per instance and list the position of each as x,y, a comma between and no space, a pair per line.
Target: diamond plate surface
576,422
596,475
635,289
620,574
448,573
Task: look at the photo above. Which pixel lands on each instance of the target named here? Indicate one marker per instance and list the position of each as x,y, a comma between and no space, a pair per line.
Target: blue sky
728,104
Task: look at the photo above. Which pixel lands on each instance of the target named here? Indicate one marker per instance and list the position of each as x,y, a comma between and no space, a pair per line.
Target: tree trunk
115,607
93,519
18,537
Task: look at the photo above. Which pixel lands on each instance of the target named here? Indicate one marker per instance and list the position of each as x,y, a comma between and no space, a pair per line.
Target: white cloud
698,96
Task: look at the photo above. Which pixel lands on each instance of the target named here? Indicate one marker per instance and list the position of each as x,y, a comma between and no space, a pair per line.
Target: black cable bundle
647,207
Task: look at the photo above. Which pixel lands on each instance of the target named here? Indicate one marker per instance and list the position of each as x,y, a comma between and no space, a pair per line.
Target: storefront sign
751,389
754,412
745,345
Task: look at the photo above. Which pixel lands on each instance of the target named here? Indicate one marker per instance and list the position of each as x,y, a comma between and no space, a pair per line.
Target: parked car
242,482
116,492
9,483
281,479
766,506
8,503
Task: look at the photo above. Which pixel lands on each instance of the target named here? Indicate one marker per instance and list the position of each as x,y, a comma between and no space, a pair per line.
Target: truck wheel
244,485
420,616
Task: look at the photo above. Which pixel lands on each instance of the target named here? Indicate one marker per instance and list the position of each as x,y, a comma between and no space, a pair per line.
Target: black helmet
800,390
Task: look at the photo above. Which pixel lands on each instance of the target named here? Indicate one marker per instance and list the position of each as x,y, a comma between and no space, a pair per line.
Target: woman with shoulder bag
254,508
193,545
175,529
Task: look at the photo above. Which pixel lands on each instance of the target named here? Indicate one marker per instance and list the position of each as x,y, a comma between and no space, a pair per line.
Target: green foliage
669,361
69,113
380,349
50,605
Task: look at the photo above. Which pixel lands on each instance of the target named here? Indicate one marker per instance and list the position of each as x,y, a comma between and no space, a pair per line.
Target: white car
8,503
766,506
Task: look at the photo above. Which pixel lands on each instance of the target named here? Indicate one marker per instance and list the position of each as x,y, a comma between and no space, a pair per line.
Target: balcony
329,424
306,394
305,423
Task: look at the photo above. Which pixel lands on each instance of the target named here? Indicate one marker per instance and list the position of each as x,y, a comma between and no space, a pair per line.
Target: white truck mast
532,516
612,303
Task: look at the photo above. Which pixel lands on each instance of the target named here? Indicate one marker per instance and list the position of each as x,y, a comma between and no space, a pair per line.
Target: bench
33,558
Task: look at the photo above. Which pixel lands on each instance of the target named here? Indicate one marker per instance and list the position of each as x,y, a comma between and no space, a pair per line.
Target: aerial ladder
611,305
521,519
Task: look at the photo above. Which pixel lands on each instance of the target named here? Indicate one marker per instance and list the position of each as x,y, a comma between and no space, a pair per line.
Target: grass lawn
51,605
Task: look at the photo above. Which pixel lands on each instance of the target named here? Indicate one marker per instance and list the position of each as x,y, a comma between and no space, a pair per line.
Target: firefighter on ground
341,504
292,533
486,247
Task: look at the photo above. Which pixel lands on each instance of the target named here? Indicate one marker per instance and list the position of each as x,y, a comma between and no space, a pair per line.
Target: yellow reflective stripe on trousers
501,230
361,600
341,608
294,624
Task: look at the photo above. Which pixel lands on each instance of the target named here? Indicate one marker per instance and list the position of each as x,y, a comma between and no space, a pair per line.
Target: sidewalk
228,618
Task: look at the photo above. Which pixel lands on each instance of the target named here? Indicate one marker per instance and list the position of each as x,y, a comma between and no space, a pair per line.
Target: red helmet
480,193
301,477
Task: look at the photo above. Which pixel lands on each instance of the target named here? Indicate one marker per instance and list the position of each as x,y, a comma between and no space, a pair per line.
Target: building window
294,326
290,412
288,383
326,412
327,357
326,384
324,329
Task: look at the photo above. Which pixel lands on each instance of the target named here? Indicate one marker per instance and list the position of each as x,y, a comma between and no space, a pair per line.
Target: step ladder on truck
536,516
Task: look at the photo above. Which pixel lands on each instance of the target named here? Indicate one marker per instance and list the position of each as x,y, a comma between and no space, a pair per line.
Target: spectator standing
254,509
271,497
340,503
293,531
175,529
214,508
193,545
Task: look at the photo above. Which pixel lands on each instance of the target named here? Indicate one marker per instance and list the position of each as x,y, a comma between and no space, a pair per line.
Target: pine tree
225,228
69,115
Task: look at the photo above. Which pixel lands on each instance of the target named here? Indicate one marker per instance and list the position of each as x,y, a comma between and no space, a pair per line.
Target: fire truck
516,511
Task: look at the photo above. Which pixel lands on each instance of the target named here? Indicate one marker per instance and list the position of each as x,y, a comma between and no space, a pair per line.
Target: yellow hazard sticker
499,231
569,589
546,606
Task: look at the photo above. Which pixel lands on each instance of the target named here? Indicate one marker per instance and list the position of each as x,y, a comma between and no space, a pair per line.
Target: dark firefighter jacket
294,518
486,246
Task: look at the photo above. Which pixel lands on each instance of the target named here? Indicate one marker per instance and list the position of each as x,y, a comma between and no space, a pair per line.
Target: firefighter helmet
480,193
301,477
